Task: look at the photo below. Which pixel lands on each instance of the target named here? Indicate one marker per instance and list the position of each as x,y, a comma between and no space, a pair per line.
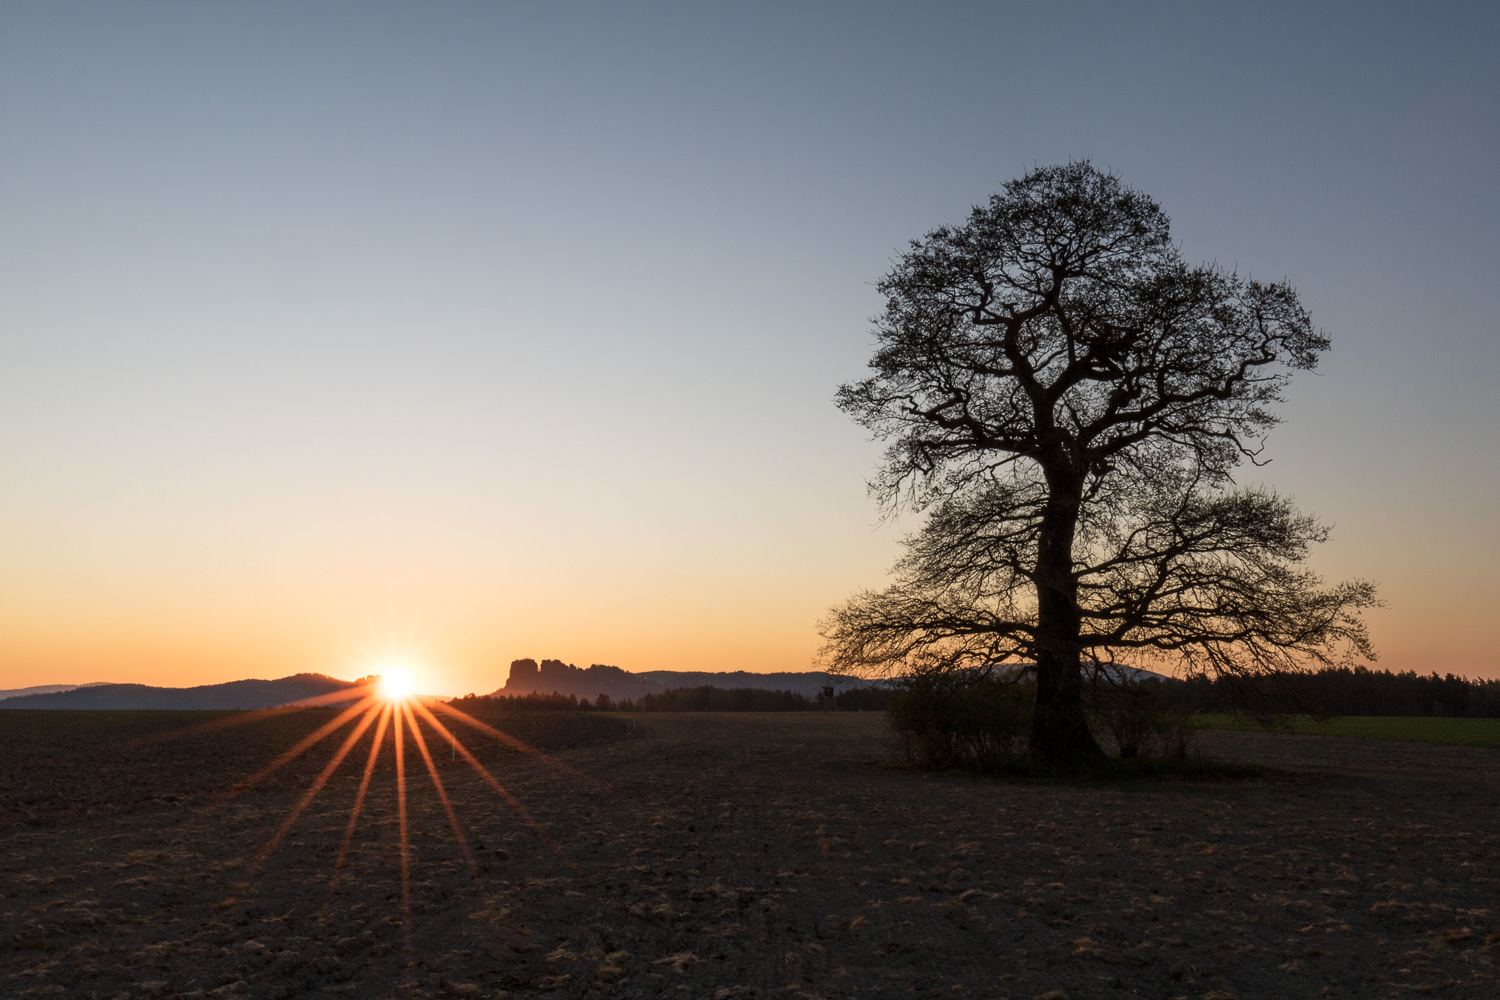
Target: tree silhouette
1066,399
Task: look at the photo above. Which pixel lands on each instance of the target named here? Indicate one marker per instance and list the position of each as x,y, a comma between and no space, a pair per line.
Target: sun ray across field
437,784
484,774
302,745
320,781
364,787
515,744
353,692
391,707
405,841
388,705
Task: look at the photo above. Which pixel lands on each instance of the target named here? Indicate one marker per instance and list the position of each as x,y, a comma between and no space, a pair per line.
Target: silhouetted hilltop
250,694
40,689
551,676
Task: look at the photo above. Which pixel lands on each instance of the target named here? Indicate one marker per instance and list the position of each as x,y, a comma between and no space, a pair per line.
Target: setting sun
396,683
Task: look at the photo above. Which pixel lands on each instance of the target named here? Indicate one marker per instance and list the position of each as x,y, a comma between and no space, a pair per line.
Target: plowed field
725,856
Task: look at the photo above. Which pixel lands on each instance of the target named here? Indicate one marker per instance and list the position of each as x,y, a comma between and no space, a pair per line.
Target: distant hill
40,689
250,694
589,682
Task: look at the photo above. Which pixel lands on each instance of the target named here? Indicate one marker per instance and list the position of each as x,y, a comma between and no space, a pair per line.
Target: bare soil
733,856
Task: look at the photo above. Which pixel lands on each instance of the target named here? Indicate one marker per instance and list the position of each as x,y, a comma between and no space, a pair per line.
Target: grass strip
1418,729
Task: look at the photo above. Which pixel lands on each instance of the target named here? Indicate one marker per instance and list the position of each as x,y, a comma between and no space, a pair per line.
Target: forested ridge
1331,691
1346,691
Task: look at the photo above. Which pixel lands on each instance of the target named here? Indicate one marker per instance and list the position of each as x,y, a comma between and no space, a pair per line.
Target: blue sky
511,330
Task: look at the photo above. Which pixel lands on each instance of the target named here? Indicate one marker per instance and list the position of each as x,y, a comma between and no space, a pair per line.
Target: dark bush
962,719
707,698
1141,722
1129,714
533,702
545,721
864,699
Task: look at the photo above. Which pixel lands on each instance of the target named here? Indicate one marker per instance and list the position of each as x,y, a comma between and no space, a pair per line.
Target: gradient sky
495,330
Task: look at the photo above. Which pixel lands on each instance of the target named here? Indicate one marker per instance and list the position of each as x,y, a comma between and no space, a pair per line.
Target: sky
337,333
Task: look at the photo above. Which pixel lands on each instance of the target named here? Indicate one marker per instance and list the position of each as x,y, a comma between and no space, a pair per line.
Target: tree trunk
1060,732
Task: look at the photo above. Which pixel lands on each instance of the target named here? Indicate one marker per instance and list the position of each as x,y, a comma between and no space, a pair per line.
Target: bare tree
1067,400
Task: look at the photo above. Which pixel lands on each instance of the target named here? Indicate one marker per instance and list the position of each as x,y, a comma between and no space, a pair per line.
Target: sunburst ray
364,786
437,783
257,715
405,843
484,774
519,744
319,782
390,709
301,746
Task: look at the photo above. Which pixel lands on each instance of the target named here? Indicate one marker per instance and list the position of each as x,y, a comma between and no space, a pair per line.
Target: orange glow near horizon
452,634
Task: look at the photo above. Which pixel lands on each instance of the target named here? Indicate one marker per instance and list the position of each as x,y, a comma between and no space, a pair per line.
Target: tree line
702,698
1341,691
1330,691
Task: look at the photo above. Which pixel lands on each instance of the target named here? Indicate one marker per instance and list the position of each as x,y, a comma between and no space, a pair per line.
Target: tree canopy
1066,401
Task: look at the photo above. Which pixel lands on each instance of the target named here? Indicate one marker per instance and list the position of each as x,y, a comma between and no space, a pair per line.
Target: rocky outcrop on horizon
527,677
